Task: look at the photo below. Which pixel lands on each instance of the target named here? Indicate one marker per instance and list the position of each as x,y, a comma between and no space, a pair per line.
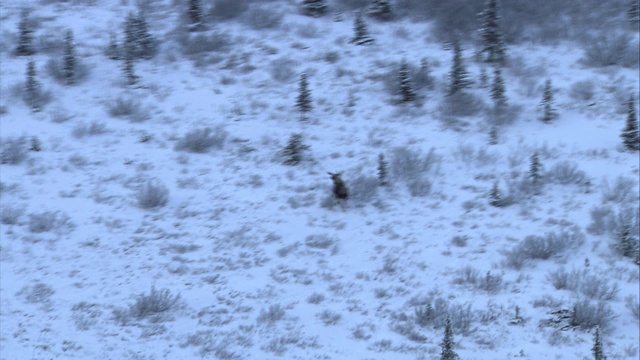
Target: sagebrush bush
152,194
15,150
153,305
202,140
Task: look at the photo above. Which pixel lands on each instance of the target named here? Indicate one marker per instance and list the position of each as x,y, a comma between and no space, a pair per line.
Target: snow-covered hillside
250,258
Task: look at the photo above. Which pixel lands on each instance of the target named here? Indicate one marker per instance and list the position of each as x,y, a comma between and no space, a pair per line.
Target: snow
233,240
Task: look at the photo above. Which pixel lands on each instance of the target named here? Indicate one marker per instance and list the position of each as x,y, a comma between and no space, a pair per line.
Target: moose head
339,190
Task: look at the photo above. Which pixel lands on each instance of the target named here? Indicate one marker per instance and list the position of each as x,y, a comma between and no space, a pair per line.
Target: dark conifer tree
493,135
361,36
113,51
406,90
303,100
535,174
630,136
69,66
32,88
382,169
25,40
294,149
484,78
497,90
137,37
549,112
633,14
195,15
491,34
381,10
598,353
315,8
495,196
128,66
458,77
447,344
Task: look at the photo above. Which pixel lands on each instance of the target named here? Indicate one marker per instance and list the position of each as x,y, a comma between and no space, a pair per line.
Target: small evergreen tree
381,10
484,78
633,14
447,343
497,90
361,36
128,66
491,34
303,100
627,244
405,89
549,112
382,170
535,174
493,134
113,51
458,77
630,136
315,8
598,353
33,89
25,37
35,146
69,59
495,195
137,37
194,15
294,149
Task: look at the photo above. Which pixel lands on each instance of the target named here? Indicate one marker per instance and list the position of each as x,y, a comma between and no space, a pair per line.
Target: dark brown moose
339,190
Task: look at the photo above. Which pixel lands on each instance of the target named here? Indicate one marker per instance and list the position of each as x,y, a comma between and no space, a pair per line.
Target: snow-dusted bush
197,44
419,187
263,17
534,247
152,194
623,190
586,314
15,150
272,315
154,305
10,215
229,9
329,317
363,189
46,221
283,69
607,49
460,104
407,164
567,172
320,241
604,220
37,293
126,106
582,90
587,283
436,311
83,129
202,140
315,298
633,305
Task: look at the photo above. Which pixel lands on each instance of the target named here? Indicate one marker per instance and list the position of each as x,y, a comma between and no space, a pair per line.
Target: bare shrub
563,280
582,90
434,312
154,305
604,220
606,49
283,69
198,44
623,190
598,287
263,17
467,275
37,293
315,298
15,150
535,247
274,314
566,172
45,221
152,194
83,129
202,140
321,241
587,315
10,215
633,305
461,104
126,106
491,283
363,189
407,164
329,317
460,240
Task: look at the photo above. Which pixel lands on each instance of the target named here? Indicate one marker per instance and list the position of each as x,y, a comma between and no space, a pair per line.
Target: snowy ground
265,265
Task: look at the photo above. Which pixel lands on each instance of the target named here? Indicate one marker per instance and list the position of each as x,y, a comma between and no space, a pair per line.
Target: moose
339,190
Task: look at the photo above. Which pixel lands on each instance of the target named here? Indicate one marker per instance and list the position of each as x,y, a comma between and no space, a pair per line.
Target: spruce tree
497,90
626,244
315,8
69,59
458,77
137,37
128,66
630,137
633,14
113,51
381,10
25,40
549,112
294,149
598,353
495,195
493,135
447,343
303,100
361,36
194,14
382,170
484,78
32,88
405,89
535,174
491,34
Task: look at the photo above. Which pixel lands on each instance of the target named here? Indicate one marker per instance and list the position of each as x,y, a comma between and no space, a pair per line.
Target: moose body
339,190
